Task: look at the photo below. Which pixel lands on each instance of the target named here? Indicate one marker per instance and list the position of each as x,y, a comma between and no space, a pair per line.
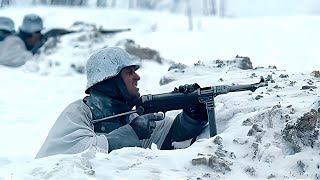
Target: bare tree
113,3
69,2
213,7
44,2
58,2
132,4
209,7
175,5
189,15
221,8
146,4
205,7
5,3
101,3
79,2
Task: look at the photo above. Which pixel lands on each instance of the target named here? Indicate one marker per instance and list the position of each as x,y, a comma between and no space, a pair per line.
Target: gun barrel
247,87
251,87
224,89
112,31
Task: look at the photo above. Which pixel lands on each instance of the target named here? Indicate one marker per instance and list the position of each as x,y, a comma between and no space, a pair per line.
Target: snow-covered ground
262,134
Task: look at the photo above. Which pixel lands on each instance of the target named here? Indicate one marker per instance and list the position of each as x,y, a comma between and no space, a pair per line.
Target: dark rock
78,68
239,141
255,147
219,164
142,52
292,83
272,67
284,76
232,155
199,161
199,63
250,170
218,140
277,87
269,78
308,87
301,167
245,62
258,97
164,80
247,122
271,176
315,74
220,153
253,75
241,62
310,82
178,66
303,132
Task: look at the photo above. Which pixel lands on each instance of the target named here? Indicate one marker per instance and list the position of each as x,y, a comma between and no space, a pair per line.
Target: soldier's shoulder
13,39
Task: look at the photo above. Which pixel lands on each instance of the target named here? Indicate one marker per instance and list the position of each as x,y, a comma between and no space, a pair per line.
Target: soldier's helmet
31,23
6,24
107,63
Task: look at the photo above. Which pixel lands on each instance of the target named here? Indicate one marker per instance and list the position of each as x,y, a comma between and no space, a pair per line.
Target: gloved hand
196,110
187,88
144,125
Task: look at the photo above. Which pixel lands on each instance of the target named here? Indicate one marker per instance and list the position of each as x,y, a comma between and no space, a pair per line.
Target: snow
33,96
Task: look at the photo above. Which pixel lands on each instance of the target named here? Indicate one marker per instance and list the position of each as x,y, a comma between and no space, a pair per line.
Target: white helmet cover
6,24
31,23
107,63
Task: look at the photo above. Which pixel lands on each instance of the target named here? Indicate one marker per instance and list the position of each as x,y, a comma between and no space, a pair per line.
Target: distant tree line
62,2
209,7
4,3
49,2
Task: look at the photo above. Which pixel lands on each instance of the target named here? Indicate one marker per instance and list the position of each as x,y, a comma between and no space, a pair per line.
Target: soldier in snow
112,89
16,50
6,27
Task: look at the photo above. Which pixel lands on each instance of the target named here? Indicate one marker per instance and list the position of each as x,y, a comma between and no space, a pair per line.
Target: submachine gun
153,103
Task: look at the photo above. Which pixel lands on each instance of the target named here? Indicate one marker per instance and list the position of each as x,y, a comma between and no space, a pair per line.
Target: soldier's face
34,39
131,78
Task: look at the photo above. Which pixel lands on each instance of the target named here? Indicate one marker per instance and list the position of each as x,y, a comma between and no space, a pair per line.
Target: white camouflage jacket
13,52
73,132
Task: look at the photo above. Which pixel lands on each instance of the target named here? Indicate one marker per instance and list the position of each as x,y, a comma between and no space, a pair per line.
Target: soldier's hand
144,125
187,88
196,110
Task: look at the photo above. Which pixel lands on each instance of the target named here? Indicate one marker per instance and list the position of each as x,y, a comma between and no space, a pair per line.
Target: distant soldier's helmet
107,63
6,24
31,23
